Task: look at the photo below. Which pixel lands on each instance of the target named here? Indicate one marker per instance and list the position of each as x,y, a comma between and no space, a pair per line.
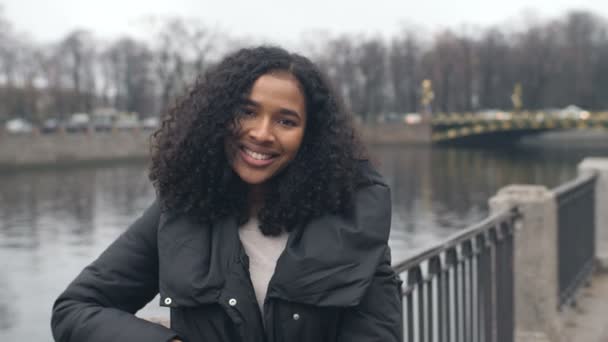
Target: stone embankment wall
56,148
41,149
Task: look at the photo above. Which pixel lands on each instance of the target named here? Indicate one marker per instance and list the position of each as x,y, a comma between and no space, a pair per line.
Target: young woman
268,227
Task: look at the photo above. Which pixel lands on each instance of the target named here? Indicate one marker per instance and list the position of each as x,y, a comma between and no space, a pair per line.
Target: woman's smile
257,159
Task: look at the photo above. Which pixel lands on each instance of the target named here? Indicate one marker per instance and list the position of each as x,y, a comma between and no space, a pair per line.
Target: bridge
535,270
505,127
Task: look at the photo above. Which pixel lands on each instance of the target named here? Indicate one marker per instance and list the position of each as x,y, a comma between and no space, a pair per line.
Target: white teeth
255,155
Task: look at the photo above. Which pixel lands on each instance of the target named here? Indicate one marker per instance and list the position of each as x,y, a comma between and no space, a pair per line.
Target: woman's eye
246,112
287,122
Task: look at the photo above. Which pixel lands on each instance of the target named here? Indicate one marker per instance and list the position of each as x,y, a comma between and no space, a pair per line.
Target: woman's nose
261,130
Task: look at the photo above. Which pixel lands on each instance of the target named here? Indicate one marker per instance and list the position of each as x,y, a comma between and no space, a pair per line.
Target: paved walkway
588,320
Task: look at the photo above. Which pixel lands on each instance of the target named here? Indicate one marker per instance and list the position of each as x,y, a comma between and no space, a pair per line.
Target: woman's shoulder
368,174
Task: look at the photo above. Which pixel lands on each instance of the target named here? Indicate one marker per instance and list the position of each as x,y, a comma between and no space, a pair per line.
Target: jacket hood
329,262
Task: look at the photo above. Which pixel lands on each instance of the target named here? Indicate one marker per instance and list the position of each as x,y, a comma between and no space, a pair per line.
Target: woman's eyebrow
284,111
248,102
289,112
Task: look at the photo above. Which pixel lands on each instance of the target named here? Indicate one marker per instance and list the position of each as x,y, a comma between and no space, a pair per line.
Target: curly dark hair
190,170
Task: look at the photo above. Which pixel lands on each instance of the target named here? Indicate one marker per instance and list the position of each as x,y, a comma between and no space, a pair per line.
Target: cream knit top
263,252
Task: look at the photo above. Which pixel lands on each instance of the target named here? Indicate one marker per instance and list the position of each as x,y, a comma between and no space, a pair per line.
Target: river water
54,221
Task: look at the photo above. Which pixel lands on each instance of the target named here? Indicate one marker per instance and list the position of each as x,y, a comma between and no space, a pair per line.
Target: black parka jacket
332,283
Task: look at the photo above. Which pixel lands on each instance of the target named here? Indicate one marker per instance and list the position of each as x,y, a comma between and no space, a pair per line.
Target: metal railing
462,289
576,235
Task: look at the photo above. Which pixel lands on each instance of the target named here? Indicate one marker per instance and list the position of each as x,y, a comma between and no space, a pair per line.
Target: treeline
81,73
557,62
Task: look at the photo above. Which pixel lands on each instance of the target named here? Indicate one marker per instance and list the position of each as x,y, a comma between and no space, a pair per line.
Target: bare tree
183,48
599,77
578,46
467,65
339,62
404,61
535,56
493,70
76,54
371,67
8,60
129,68
169,61
441,64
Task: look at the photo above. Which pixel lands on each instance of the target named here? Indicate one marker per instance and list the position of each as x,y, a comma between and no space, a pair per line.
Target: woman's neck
255,199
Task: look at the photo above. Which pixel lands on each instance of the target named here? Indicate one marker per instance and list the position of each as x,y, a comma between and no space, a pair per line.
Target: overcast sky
274,20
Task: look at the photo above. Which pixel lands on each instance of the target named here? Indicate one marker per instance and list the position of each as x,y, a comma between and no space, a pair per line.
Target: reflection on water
54,222
438,191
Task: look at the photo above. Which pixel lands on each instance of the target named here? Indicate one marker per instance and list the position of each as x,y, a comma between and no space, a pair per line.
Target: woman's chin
250,179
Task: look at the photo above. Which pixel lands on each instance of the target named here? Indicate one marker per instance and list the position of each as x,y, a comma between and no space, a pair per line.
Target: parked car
102,123
51,125
412,118
127,122
18,125
150,123
78,122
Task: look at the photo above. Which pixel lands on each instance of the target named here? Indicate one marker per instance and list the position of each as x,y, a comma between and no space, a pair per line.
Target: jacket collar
332,260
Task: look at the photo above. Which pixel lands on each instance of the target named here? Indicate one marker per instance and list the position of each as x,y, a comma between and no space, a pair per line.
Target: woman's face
272,120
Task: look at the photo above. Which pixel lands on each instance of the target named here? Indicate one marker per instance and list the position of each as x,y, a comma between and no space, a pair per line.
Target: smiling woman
269,224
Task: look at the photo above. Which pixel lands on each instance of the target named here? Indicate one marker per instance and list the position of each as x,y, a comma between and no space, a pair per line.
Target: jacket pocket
203,323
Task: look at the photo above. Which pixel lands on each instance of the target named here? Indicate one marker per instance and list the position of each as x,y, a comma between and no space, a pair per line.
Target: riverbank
32,150
47,149
18,150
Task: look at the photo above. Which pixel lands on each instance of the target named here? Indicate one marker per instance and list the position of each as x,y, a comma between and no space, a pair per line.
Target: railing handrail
575,235
580,180
455,239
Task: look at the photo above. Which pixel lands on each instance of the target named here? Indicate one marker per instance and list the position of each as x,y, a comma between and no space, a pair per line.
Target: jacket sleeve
379,315
99,305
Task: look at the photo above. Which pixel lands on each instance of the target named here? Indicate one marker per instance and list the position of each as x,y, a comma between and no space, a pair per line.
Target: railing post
535,262
600,167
